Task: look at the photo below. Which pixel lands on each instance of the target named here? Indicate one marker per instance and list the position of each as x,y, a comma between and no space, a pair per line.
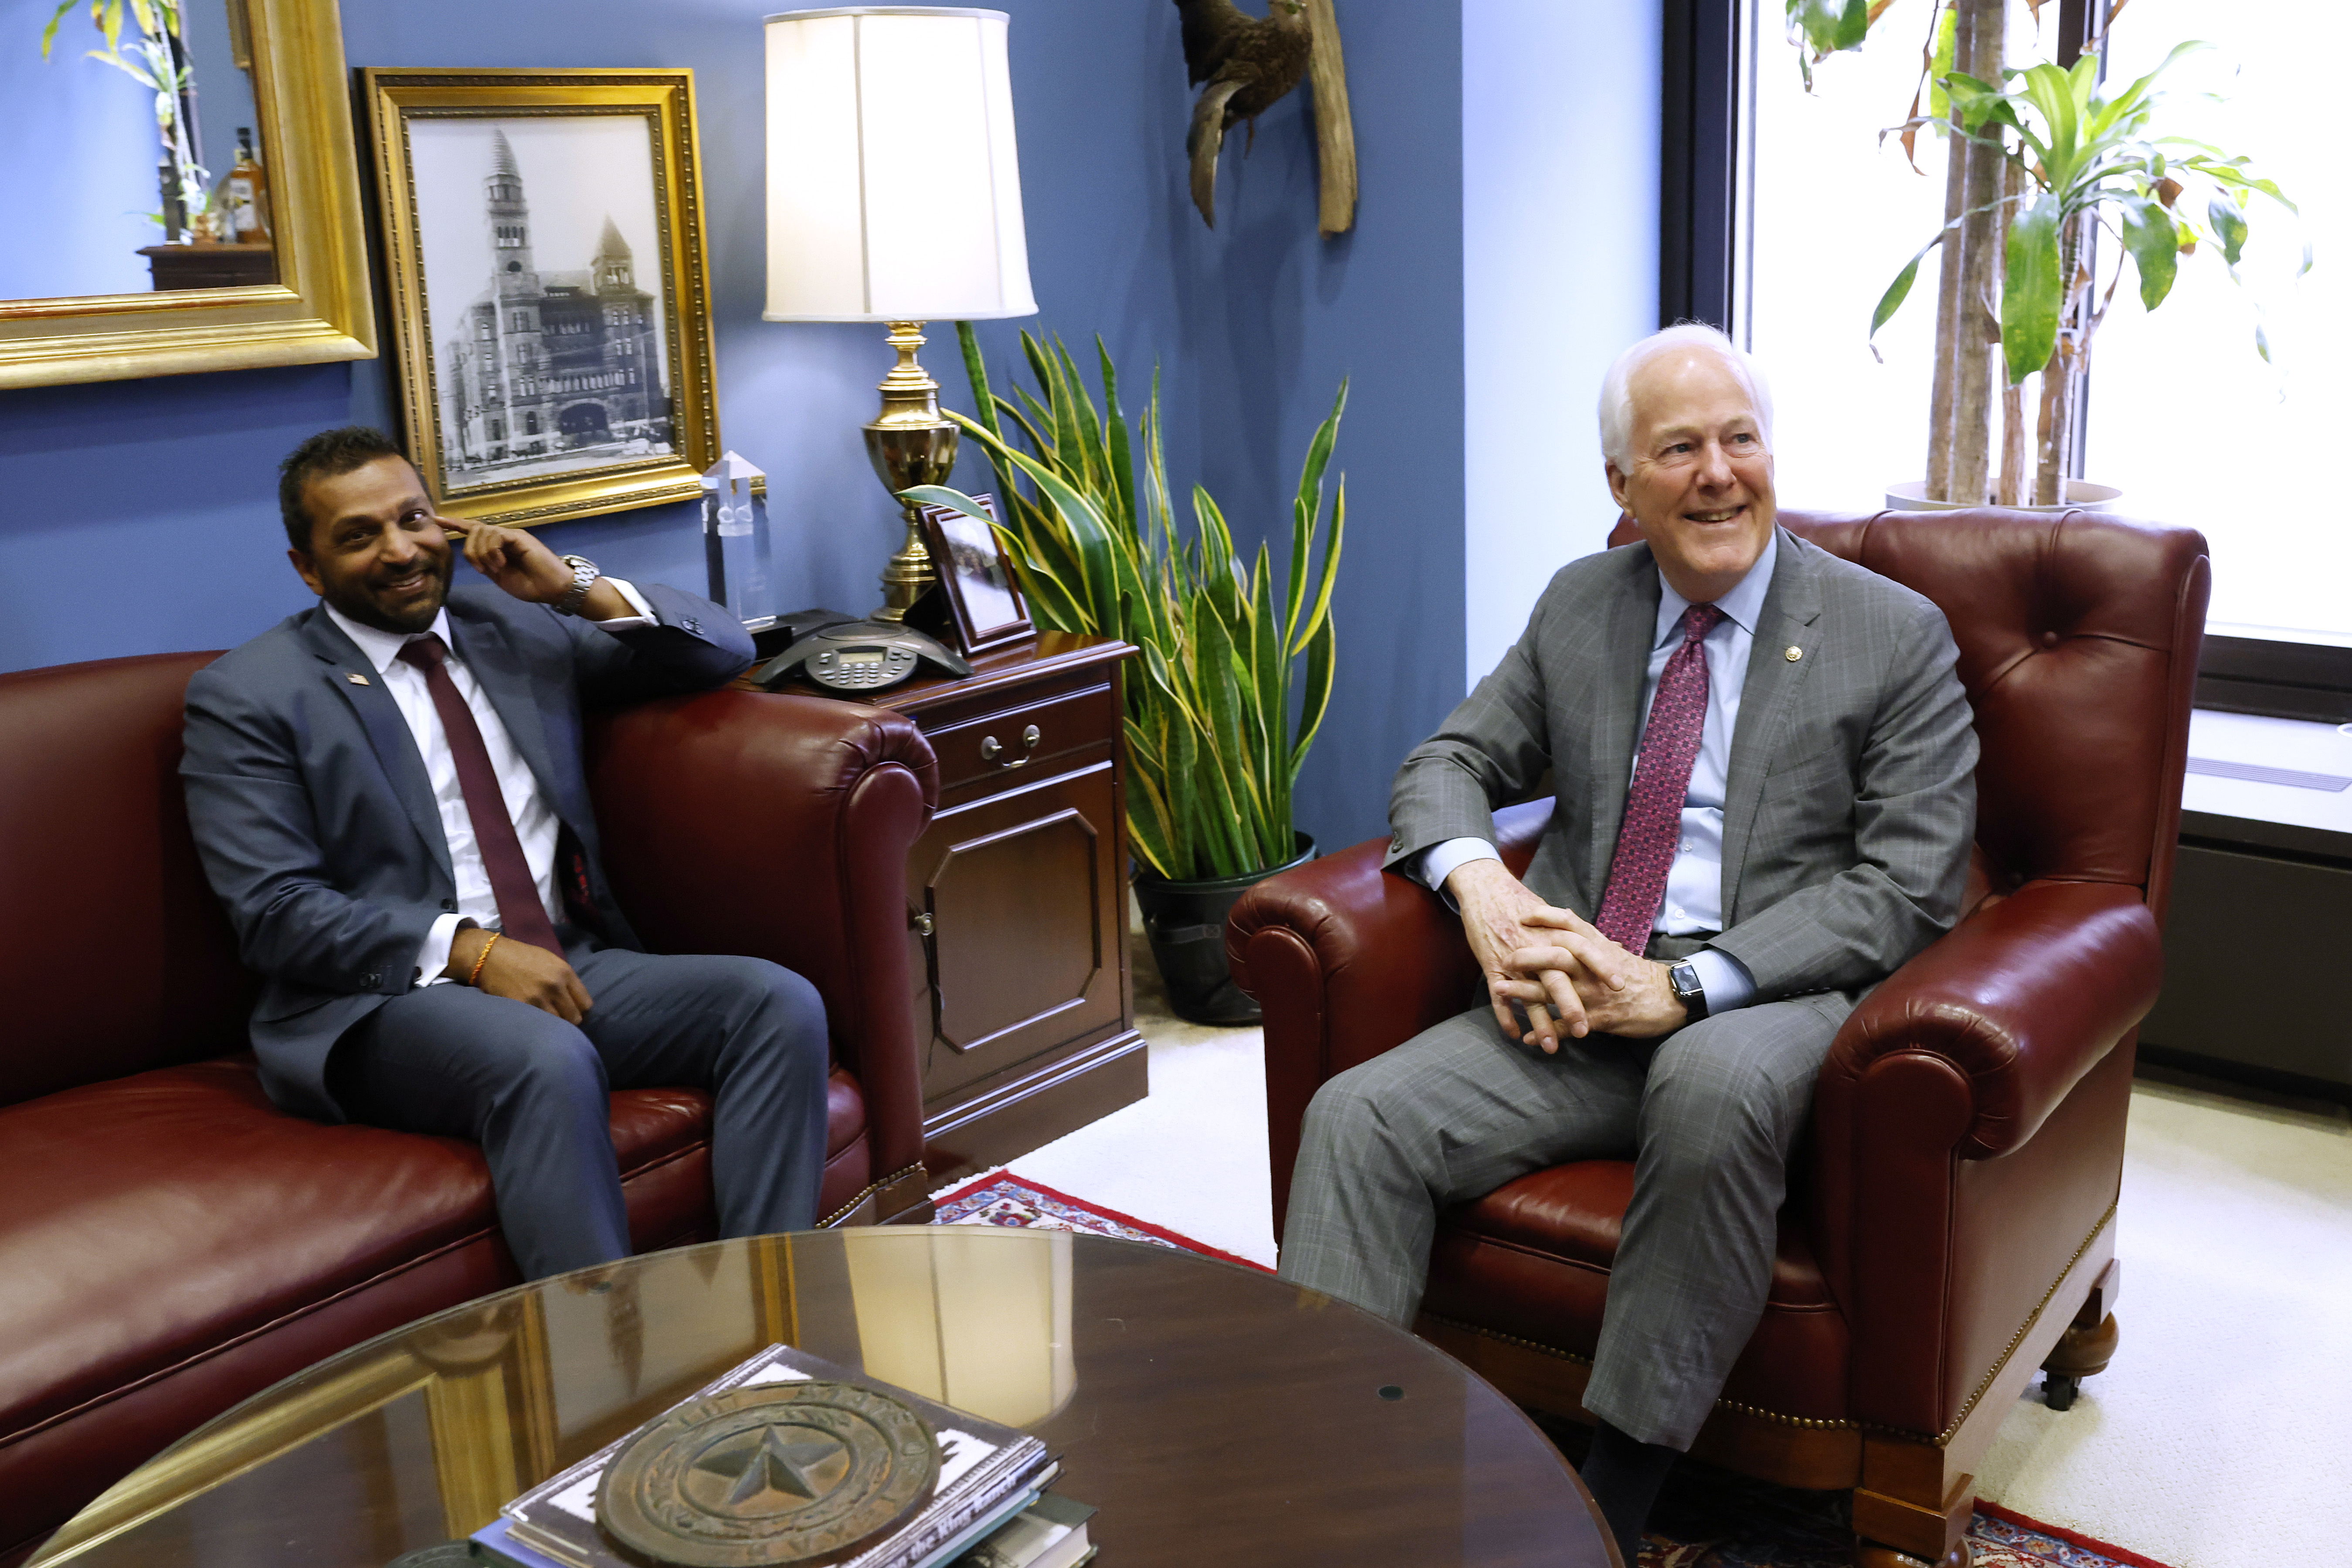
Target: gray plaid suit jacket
1851,801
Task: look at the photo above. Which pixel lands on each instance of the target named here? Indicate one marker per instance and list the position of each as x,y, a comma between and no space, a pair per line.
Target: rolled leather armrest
778,827
1934,1200
2022,998
1347,961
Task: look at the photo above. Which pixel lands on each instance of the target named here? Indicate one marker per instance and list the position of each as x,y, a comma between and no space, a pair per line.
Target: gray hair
1617,397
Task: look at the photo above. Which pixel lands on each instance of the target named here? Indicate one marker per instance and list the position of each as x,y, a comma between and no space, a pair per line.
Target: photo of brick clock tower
549,367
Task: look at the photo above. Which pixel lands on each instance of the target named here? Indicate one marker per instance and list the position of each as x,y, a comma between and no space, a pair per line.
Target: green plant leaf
975,374
2154,240
1122,457
1900,290
1147,812
49,32
1307,508
1093,455
1316,698
2030,295
1267,712
1320,615
2229,226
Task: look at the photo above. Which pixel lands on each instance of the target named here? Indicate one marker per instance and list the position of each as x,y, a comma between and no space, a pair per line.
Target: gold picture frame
320,309
546,371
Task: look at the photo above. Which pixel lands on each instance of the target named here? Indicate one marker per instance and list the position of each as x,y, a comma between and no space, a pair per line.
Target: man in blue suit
388,794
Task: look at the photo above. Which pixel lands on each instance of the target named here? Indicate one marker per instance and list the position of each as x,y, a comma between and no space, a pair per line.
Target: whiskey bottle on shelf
245,193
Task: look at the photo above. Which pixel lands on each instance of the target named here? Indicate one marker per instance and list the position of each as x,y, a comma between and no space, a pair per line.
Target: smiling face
1699,480
377,552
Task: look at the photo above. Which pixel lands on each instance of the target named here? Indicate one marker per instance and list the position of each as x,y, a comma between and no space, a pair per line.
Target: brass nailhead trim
1804,1422
2023,1328
869,1189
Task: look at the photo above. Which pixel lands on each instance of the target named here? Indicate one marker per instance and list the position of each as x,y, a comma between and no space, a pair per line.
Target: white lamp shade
894,190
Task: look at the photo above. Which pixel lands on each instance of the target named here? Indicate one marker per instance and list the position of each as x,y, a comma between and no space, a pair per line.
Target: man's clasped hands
1550,973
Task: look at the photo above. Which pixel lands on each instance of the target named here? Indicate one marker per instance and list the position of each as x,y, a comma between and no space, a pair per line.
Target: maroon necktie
1647,838
520,914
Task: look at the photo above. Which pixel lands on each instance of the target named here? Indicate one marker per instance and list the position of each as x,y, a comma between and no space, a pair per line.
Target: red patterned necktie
520,914
1651,831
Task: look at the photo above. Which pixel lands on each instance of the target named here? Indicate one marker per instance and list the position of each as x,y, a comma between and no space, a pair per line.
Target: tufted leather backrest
114,955
2078,635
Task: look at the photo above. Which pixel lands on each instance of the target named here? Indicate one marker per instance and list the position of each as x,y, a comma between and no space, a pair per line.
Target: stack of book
988,1509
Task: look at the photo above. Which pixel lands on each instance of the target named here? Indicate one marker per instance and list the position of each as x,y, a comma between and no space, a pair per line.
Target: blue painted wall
104,172
139,516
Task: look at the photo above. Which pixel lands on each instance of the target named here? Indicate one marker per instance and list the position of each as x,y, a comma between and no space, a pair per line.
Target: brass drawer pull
991,750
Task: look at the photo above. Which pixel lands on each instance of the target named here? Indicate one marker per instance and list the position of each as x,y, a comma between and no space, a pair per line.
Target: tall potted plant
2038,159
1235,670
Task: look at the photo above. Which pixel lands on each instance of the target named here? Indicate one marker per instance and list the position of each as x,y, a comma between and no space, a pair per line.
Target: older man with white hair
1763,767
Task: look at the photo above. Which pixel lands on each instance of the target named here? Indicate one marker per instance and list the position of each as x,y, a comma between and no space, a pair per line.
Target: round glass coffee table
1213,1415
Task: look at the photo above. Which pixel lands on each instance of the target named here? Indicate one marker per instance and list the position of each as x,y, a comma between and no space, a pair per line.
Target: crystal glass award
735,536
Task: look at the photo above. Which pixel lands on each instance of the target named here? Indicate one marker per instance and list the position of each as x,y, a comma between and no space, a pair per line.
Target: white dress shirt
534,820
1693,901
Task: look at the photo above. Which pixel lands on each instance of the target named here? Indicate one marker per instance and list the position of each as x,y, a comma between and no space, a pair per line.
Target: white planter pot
2081,495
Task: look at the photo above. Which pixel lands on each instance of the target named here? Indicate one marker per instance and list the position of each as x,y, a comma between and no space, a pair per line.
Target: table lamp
894,196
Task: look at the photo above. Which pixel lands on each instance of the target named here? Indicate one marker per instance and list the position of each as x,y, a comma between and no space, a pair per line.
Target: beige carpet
2221,1436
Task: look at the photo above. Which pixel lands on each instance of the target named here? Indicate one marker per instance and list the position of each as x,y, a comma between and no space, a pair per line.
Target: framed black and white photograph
981,596
543,249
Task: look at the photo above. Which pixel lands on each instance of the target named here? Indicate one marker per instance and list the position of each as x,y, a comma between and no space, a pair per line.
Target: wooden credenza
1016,899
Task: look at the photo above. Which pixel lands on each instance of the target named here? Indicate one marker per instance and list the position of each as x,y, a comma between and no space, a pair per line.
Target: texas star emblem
769,1475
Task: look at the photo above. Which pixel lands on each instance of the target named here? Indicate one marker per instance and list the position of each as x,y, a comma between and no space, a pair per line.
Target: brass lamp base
911,443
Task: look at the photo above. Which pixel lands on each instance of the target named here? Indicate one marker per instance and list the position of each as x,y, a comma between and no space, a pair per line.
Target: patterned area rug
1706,1518
1007,1199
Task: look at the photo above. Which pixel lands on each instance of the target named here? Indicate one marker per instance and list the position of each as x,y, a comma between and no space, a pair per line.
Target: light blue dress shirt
1693,901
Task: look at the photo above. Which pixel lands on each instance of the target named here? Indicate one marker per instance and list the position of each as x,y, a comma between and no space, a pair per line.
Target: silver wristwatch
583,578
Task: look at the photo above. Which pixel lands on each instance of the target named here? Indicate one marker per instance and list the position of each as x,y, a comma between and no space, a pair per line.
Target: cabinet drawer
1022,739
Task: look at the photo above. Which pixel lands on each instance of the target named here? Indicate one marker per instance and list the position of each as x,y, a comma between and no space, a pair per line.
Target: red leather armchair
170,1243
1950,1223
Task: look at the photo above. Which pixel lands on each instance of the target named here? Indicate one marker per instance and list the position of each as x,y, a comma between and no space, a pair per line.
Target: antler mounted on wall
1248,64
1334,124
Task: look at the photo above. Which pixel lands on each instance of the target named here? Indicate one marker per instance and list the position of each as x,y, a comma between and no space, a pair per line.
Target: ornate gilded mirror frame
321,308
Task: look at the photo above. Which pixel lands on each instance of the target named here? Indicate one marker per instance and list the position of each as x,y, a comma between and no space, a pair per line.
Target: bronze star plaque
767,1476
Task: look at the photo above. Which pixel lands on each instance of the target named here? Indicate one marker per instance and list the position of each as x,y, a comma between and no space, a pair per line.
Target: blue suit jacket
316,823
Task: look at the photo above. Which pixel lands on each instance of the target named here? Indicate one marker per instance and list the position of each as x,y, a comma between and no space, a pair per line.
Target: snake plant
1227,652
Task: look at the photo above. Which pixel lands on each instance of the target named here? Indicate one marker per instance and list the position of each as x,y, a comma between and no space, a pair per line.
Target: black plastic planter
1186,924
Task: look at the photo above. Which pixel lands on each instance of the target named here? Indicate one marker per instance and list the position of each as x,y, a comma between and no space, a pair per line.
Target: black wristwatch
1684,978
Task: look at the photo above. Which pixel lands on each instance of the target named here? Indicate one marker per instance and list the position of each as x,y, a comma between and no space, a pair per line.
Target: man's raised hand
517,561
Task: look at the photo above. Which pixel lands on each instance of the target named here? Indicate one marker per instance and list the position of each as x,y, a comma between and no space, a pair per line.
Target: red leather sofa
1950,1222
170,1243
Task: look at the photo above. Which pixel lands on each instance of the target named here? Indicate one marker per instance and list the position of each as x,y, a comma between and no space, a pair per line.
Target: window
1836,217
2182,414
530,423
521,321
497,430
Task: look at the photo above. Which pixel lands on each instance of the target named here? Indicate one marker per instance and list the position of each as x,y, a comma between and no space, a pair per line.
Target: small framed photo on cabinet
550,299
982,599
